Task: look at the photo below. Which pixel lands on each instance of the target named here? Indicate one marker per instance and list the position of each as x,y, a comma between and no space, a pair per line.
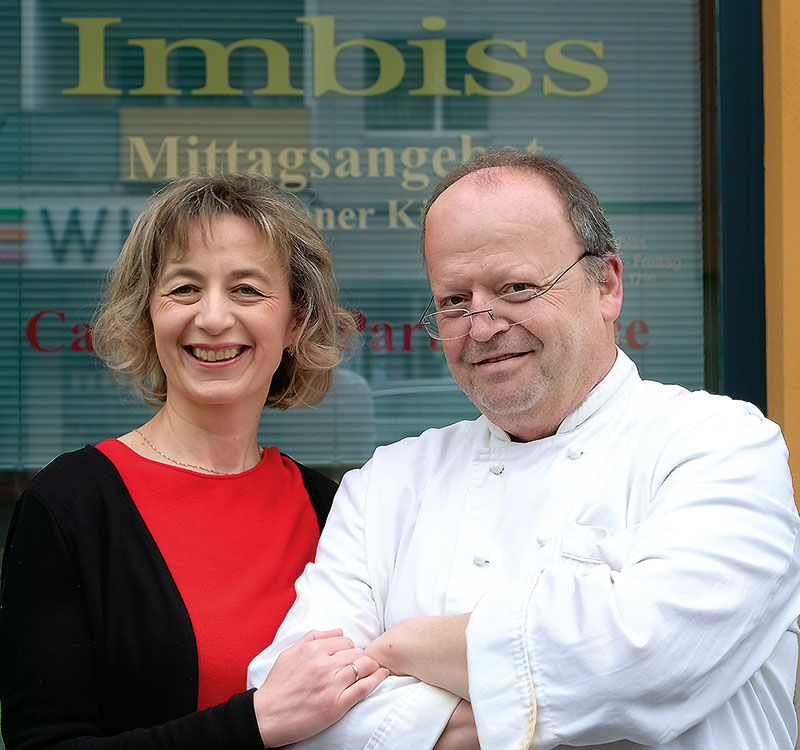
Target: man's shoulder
438,439
436,451
670,402
682,402
673,409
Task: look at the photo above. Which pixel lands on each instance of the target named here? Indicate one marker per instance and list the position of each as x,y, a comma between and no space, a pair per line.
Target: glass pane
359,110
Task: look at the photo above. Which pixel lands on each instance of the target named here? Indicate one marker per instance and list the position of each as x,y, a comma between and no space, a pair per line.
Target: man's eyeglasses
514,307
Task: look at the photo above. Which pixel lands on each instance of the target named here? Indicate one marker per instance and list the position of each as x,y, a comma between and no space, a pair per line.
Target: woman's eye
249,291
183,290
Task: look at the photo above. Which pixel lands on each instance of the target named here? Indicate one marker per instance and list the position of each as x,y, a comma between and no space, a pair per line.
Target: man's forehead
488,197
497,180
504,216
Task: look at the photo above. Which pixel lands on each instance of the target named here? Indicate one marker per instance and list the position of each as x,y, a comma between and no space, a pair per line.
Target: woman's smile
216,354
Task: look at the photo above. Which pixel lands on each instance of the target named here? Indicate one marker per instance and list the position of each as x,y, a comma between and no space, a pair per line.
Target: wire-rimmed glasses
514,307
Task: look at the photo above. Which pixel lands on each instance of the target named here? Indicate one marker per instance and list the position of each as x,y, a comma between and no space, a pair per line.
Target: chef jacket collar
599,396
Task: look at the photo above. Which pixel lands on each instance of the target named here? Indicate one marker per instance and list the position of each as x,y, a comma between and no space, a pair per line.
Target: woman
141,575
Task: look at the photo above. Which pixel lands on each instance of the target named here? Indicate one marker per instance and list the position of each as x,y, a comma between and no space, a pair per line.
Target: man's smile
500,358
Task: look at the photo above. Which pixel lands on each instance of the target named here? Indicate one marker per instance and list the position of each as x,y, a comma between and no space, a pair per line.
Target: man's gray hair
583,209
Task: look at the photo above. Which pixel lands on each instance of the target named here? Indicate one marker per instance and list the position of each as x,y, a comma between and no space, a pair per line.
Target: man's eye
520,291
455,300
521,286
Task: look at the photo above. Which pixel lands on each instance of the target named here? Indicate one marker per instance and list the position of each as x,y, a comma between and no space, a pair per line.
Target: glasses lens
447,324
512,308
516,307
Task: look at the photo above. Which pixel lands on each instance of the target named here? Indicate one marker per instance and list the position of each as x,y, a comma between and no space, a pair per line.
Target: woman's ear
293,332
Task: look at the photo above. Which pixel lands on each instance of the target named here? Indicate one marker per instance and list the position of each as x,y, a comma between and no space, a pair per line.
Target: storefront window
359,108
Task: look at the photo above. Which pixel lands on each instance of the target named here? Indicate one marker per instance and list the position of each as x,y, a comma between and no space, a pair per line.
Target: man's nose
485,324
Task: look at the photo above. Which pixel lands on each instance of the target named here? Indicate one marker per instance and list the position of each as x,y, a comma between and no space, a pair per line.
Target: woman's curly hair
123,331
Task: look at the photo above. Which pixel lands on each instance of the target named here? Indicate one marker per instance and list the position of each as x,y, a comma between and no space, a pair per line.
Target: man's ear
611,289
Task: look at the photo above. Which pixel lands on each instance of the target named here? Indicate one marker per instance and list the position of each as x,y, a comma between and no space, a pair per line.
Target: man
597,560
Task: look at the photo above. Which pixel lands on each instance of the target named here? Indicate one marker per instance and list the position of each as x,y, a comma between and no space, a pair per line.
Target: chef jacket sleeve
345,588
669,621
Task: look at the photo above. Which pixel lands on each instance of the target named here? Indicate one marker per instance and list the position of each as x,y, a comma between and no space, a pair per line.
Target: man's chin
503,402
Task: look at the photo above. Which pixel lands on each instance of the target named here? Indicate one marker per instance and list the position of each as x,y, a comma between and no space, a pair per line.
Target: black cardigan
96,646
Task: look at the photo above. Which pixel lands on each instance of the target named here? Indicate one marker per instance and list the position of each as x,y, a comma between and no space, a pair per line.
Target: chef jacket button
480,561
542,540
574,452
496,467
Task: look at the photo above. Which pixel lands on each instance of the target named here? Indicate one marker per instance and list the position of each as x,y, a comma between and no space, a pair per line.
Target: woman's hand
312,685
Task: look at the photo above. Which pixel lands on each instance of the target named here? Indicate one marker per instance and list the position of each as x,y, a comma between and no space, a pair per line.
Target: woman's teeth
216,355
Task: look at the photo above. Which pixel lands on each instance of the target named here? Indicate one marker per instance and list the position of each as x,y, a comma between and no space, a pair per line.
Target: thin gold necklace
191,466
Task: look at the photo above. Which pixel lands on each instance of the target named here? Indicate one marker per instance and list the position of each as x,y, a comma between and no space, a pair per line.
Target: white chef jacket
634,580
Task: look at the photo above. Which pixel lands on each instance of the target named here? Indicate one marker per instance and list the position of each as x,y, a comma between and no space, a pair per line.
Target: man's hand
432,649
460,732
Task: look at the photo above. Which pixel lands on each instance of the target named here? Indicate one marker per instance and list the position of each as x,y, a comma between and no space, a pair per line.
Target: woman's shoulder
316,479
75,478
83,464
319,487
